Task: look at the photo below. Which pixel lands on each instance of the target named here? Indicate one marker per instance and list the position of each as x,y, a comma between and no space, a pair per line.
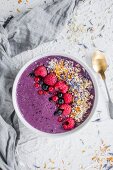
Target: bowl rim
14,98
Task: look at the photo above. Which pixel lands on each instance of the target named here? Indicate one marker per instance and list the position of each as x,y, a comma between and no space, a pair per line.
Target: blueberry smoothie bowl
54,94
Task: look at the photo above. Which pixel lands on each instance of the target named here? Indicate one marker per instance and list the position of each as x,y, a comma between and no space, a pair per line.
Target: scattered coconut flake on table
101,159
52,165
20,1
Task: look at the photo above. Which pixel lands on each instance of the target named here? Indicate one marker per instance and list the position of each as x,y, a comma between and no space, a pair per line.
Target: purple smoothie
38,111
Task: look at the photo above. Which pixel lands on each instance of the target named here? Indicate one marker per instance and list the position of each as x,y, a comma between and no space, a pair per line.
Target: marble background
89,28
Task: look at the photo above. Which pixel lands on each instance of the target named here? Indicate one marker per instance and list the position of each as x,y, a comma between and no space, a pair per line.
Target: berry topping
45,92
32,74
62,86
36,85
54,98
59,94
58,112
36,79
40,92
45,87
69,123
41,81
40,71
66,109
54,93
50,99
60,119
50,79
51,89
58,105
68,98
60,101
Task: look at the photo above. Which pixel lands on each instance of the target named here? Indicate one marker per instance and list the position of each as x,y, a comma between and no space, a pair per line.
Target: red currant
36,79
40,92
55,98
45,92
51,89
60,119
36,85
57,105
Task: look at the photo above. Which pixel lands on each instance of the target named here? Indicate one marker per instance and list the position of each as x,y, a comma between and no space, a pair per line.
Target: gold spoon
100,65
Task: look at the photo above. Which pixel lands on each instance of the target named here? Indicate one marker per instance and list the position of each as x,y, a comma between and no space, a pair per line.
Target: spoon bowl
99,63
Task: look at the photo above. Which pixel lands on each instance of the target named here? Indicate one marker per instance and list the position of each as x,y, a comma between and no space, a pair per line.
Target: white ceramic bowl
18,110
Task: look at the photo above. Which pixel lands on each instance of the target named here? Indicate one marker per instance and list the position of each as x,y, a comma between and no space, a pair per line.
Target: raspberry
62,86
40,92
54,98
66,109
36,79
36,85
50,79
51,89
69,123
40,71
68,98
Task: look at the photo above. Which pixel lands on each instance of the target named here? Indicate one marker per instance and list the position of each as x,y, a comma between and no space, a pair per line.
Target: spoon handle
110,104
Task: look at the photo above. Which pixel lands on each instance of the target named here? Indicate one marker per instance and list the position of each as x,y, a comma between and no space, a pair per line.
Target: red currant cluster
63,99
